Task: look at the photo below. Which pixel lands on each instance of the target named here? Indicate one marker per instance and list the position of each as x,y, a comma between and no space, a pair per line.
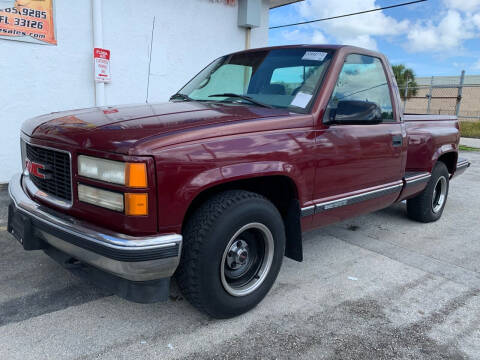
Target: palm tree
405,75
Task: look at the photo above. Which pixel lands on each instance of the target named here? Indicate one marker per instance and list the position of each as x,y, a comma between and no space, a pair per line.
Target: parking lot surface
379,286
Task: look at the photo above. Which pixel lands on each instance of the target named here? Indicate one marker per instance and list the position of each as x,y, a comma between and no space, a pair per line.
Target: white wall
37,79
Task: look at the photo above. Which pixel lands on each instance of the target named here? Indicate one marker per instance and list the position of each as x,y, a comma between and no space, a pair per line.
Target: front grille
56,168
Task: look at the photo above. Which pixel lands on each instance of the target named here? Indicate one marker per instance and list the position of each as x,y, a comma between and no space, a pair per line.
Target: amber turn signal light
136,204
136,175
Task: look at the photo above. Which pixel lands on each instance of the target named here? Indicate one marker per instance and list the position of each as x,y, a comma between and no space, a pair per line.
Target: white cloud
460,21
476,20
295,36
303,37
445,31
364,41
463,5
476,66
448,34
358,30
319,38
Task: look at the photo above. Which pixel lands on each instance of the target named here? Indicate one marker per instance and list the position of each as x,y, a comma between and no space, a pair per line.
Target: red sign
110,111
102,65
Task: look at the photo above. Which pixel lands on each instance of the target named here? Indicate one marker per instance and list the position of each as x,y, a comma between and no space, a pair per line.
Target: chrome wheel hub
439,194
247,259
237,255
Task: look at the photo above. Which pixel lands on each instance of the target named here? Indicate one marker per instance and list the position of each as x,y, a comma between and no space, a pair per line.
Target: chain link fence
445,95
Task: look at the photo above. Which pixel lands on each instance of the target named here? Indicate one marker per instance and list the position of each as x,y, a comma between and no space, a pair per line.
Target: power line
341,16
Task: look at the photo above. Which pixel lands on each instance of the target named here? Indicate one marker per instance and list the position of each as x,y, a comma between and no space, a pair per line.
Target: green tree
404,75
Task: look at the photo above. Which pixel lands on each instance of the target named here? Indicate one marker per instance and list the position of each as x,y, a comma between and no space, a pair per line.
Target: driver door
359,167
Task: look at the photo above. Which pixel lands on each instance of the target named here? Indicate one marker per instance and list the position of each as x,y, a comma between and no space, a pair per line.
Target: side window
363,79
291,79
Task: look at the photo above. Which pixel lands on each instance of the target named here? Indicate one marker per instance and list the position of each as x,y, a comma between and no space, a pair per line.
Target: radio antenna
150,59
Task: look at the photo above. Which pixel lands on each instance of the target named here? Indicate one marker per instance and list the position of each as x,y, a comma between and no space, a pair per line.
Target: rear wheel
429,204
232,253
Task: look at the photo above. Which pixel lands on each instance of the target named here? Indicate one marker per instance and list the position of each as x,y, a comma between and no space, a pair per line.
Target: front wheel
233,250
429,204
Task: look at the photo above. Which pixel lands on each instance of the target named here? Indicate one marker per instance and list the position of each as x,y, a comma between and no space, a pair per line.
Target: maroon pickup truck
216,186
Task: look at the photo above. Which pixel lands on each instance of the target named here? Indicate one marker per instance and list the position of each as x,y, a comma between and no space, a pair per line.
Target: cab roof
346,48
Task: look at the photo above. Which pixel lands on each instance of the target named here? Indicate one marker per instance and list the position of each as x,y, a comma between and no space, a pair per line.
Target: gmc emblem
34,169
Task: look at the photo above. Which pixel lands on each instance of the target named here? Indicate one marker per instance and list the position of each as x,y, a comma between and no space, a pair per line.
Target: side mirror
355,112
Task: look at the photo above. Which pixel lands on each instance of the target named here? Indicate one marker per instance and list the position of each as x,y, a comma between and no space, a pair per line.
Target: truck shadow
61,290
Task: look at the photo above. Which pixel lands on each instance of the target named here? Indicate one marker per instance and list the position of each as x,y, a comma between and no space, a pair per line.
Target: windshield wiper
181,96
244,97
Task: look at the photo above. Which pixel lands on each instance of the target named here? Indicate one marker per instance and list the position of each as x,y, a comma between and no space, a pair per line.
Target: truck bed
426,135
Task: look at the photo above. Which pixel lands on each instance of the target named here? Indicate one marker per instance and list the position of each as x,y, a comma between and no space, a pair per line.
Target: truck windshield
281,78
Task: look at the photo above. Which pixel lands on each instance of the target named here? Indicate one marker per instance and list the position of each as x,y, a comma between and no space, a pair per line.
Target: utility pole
405,96
430,95
97,20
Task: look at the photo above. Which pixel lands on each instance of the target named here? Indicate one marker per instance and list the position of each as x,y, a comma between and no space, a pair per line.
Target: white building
37,79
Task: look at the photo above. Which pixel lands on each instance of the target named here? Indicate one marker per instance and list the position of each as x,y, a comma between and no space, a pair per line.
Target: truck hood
121,129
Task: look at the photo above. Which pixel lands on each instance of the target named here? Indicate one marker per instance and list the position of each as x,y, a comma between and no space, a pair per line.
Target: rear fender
442,150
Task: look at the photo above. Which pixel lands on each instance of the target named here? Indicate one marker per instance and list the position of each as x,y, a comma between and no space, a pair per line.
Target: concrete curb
4,201
470,142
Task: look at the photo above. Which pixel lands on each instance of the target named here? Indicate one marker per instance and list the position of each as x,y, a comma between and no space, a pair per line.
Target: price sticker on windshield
301,100
314,55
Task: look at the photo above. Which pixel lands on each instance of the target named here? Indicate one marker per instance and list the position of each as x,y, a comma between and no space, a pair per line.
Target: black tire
206,235
426,207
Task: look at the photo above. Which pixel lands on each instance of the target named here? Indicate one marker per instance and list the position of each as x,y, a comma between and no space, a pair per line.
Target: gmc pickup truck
217,185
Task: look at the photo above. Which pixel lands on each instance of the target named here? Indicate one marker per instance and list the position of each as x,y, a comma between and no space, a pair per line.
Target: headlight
128,174
107,199
101,169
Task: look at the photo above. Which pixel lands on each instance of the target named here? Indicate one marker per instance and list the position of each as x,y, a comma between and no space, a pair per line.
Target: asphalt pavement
379,286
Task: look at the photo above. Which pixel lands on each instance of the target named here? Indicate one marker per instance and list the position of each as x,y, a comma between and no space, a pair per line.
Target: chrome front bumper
131,258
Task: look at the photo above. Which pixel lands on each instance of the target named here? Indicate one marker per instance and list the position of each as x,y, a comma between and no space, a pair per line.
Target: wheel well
280,190
450,160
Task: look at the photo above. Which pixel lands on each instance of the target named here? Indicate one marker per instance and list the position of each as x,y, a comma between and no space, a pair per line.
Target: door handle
397,140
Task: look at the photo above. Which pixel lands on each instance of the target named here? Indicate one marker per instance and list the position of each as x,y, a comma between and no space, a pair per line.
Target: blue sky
436,37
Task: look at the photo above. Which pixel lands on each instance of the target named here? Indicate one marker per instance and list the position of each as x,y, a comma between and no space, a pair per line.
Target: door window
363,79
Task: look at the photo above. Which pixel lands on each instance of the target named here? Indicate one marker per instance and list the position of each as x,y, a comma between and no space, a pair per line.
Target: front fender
210,178
240,171
186,171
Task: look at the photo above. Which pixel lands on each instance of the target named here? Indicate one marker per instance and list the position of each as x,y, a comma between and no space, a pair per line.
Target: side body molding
322,205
